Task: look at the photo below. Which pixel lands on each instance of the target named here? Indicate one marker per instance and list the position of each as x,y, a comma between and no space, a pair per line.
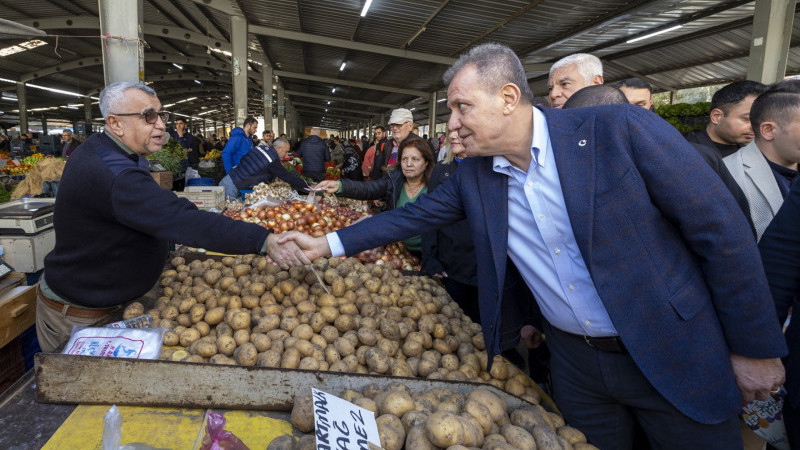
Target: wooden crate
17,312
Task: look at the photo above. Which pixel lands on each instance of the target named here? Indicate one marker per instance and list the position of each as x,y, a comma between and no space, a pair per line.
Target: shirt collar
539,144
119,143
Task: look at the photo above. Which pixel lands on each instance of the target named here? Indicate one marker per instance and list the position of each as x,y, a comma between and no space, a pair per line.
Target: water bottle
143,321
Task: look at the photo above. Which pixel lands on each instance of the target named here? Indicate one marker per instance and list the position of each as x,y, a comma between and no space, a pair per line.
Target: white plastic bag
191,173
112,433
135,343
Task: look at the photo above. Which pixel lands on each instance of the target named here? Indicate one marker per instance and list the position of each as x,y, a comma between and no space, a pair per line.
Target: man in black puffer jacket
261,165
315,154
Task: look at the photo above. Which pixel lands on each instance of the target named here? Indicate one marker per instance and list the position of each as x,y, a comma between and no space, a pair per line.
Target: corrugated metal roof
712,46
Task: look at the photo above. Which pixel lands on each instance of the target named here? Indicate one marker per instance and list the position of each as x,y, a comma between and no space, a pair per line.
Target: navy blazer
669,250
780,250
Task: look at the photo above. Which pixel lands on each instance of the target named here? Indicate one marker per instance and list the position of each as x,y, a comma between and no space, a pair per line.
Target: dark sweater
387,188
113,224
264,165
314,153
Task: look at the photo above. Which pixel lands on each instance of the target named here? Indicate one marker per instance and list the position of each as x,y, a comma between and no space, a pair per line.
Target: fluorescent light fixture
57,91
21,47
333,91
326,109
412,109
441,100
366,8
341,68
169,106
71,107
207,112
647,36
329,102
178,66
198,82
8,81
8,99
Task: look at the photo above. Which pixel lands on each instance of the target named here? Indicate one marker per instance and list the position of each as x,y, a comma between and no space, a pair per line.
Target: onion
270,213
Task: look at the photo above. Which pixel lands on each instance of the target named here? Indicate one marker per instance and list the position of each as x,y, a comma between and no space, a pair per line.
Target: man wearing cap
401,122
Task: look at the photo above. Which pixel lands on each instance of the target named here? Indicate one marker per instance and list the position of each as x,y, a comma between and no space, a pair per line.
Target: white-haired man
570,74
115,222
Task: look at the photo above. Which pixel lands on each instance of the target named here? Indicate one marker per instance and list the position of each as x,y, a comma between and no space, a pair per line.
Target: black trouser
604,394
465,295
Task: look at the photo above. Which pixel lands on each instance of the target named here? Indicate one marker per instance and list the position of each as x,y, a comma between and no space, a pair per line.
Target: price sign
341,425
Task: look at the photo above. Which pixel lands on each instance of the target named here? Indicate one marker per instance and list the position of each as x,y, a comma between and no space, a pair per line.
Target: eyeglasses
150,117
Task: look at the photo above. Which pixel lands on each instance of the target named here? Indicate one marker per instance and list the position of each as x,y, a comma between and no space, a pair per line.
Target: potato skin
285,442
391,432
303,413
415,438
246,354
444,429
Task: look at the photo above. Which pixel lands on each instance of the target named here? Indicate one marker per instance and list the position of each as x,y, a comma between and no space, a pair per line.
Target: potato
246,354
527,418
572,435
377,360
171,338
584,446
303,331
184,320
290,358
194,359
391,432
298,294
133,310
206,349
284,442
197,312
517,436
444,429
303,413
211,277
329,333
496,405
188,336
270,358
241,336
222,359
215,315
240,320
261,341
413,418
554,420
546,438
226,345
345,322
481,413
416,439
170,312
367,403
397,403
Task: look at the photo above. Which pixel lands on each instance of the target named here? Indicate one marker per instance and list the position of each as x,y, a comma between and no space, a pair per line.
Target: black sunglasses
150,117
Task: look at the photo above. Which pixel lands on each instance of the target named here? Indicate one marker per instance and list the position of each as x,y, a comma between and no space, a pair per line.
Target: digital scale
26,216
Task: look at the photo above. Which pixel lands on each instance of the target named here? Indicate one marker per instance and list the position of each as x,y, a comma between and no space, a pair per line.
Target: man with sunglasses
114,222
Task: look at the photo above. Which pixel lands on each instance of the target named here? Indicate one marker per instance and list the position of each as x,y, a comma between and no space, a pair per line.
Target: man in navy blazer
655,304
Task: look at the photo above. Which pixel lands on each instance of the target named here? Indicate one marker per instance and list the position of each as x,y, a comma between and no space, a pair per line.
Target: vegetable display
298,215
686,117
167,160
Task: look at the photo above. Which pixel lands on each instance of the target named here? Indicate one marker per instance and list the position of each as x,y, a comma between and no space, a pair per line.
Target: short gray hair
589,66
114,94
497,65
280,141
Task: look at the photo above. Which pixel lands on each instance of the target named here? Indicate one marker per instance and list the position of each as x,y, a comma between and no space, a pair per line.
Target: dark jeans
605,394
791,418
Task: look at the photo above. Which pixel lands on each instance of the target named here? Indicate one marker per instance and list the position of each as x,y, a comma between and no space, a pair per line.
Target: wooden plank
86,380
17,312
11,281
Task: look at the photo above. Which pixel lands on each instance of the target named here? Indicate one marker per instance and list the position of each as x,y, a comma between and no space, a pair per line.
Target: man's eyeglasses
150,117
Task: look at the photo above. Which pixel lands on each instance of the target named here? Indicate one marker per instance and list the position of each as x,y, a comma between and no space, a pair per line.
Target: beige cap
400,116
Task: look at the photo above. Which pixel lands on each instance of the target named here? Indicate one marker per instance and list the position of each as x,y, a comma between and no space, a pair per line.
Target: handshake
295,249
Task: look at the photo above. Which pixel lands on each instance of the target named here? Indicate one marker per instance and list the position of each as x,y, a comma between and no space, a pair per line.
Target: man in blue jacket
315,154
261,165
654,302
239,143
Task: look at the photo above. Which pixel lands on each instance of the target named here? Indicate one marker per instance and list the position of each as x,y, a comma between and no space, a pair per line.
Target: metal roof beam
219,5
332,108
631,72
350,45
498,25
338,99
355,84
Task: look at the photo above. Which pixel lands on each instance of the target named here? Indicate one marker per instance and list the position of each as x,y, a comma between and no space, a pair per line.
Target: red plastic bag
216,438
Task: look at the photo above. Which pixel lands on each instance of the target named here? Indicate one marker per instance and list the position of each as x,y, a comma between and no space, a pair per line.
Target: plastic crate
30,346
245,192
12,365
205,197
200,182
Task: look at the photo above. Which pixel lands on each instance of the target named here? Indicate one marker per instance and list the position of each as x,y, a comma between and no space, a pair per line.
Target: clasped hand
295,249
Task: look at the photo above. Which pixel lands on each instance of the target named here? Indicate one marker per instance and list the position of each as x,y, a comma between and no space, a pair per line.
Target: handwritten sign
341,425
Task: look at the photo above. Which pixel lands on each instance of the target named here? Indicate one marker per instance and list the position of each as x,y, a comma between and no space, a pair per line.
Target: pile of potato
445,418
371,319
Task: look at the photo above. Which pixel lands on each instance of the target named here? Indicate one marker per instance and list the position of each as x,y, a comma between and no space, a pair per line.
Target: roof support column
22,100
44,125
769,48
281,110
383,120
267,80
432,115
123,54
239,72
87,109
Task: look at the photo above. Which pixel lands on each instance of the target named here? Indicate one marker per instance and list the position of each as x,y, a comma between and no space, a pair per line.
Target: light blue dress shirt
541,242
542,245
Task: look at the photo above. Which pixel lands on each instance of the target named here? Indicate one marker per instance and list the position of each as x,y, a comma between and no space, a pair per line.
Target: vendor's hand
312,247
757,378
530,337
329,186
285,253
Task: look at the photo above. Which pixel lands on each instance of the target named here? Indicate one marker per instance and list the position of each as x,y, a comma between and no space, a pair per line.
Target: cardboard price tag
342,425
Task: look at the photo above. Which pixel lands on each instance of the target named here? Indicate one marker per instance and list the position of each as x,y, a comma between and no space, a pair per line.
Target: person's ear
511,96
767,130
716,115
597,79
